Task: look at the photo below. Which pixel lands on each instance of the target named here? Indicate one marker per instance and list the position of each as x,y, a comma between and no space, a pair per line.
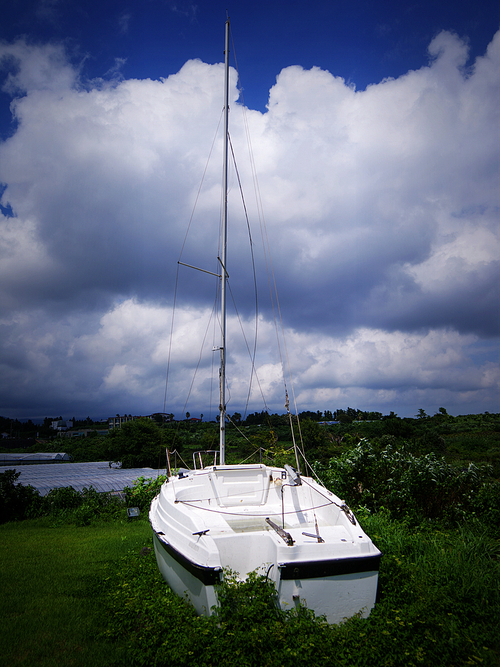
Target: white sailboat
256,517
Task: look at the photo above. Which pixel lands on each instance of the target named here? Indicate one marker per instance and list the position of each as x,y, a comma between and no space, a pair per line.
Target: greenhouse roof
42,457
80,475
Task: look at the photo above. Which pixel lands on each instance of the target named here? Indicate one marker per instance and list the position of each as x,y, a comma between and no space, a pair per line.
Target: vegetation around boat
433,510
99,599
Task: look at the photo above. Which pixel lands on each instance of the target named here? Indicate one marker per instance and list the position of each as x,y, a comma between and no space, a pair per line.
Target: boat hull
197,585
218,519
336,596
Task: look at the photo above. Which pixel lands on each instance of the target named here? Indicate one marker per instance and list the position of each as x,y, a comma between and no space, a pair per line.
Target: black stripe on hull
209,576
329,568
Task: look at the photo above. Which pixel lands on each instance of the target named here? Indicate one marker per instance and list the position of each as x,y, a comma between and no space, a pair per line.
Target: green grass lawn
91,596
51,589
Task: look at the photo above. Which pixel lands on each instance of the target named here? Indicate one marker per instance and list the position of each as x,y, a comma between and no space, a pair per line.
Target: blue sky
361,41
375,132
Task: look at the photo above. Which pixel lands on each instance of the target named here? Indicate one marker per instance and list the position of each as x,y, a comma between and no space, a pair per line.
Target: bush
61,499
96,505
143,491
412,487
19,502
15,499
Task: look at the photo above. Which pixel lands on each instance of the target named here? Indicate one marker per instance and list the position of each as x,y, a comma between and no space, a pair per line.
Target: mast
222,372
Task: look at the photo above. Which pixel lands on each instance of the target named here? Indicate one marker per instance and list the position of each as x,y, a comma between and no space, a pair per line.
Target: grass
439,605
51,594
78,587
92,595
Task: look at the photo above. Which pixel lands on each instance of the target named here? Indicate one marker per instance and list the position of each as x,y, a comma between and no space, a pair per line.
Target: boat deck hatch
239,487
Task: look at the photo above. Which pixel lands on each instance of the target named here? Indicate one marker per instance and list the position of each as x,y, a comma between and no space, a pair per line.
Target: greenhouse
101,475
36,457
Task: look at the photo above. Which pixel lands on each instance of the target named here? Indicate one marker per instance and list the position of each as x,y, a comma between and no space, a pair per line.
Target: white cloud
451,264
36,68
381,208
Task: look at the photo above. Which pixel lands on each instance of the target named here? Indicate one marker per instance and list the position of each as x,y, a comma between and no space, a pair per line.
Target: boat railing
200,458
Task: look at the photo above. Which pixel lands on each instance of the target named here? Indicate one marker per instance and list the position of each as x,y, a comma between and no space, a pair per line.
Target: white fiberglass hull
232,517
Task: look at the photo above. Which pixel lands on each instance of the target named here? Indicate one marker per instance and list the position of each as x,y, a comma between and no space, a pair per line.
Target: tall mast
222,373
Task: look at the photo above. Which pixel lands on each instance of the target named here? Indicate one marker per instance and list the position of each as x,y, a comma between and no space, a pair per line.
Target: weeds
73,592
93,595
415,488
143,491
439,604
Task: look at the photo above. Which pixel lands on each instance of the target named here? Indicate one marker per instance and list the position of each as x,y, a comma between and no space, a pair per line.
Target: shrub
95,505
80,507
413,487
15,499
143,491
63,498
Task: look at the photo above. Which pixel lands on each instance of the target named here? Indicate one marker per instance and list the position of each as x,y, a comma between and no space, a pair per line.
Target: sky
375,144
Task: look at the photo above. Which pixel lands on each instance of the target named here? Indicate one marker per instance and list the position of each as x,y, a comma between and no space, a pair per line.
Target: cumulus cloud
381,207
36,68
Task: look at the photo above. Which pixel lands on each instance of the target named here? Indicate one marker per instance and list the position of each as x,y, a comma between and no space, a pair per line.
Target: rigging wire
200,356
270,272
201,185
276,309
254,354
254,371
174,303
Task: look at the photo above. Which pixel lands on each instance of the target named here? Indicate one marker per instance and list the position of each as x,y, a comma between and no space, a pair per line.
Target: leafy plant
251,601
410,486
15,499
143,491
